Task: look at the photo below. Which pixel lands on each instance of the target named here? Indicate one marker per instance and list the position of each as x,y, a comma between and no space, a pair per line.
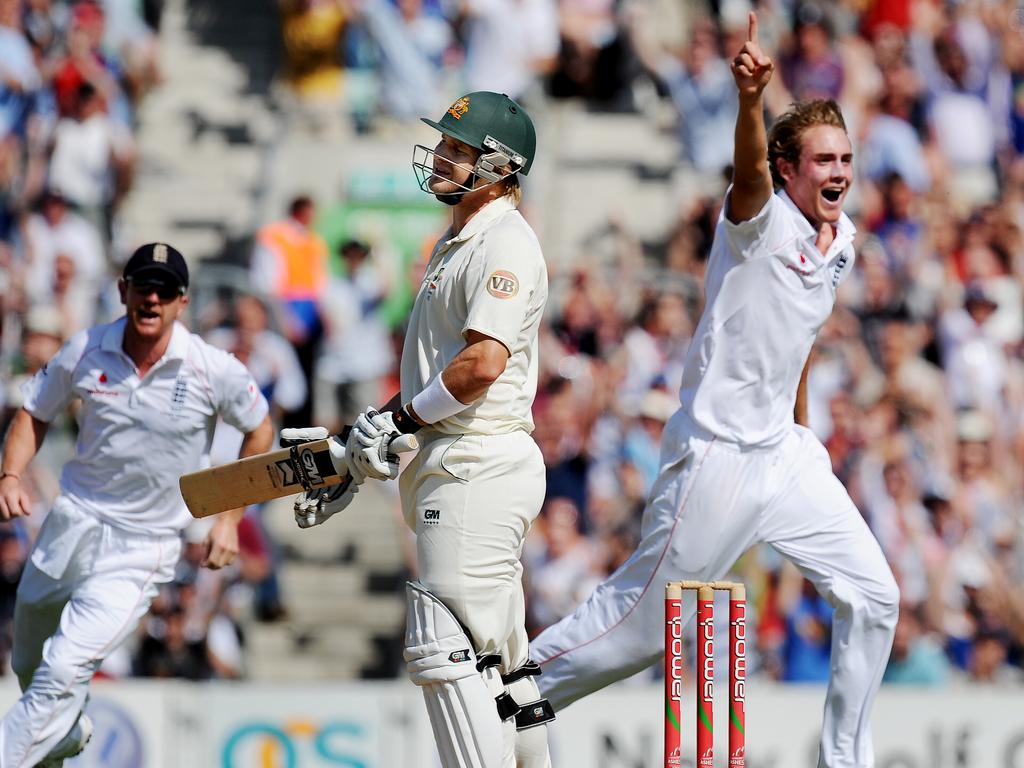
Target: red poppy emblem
103,378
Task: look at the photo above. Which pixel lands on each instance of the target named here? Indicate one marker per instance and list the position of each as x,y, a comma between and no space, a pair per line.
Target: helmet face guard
485,168
490,122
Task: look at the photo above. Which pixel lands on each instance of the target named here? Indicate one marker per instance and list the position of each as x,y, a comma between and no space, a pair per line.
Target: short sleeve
499,299
745,237
240,402
52,389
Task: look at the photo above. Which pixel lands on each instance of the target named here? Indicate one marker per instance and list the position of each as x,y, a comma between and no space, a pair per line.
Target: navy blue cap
157,264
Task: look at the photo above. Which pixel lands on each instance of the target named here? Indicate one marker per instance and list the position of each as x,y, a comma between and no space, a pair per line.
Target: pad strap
530,669
522,686
532,715
487,661
505,704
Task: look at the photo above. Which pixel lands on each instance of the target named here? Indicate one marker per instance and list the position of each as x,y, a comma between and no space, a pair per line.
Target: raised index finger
752,28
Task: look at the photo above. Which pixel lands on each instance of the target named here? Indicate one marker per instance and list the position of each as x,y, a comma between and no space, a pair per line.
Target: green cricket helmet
493,123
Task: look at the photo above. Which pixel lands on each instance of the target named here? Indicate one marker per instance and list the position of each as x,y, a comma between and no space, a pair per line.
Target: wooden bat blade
258,478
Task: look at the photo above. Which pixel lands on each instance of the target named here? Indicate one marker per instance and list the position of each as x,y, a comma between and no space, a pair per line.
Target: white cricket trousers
712,501
84,590
471,501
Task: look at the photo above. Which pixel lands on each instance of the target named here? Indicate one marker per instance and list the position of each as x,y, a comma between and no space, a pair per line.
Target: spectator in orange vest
289,266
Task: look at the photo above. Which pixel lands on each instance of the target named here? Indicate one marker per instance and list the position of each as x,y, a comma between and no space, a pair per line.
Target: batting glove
373,445
316,506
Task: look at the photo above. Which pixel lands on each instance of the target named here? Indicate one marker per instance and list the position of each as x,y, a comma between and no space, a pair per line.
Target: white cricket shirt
489,278
136,437
769,290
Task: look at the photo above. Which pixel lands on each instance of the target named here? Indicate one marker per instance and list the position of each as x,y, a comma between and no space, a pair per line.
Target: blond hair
787,132
513,189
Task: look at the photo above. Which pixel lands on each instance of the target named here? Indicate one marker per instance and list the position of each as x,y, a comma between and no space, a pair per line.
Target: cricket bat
266,476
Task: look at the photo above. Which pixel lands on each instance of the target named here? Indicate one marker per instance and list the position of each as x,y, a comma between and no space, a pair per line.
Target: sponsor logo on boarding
118,740
502,284
459,108
457,657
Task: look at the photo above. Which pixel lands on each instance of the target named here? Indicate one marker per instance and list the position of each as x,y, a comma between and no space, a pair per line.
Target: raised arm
751,176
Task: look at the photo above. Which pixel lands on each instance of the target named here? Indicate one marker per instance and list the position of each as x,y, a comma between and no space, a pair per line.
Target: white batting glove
374,444
316,506
290,437
366,449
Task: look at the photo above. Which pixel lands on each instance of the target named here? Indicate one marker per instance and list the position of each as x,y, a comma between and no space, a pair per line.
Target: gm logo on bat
308,460
307,473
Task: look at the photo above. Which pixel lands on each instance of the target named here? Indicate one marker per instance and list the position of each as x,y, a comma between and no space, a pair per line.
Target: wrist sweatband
436,403
406,424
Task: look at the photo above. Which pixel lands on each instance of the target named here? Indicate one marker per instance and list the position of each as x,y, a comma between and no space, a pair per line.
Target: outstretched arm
24,437
751,177
222,540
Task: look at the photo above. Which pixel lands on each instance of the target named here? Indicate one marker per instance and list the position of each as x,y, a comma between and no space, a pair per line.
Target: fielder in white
735,468
150,394
468,378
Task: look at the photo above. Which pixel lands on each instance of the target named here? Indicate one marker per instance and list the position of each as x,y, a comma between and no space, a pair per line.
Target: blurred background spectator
289,265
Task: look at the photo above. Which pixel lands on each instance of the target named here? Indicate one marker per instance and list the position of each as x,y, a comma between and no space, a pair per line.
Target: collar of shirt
177,349
486,215
845,231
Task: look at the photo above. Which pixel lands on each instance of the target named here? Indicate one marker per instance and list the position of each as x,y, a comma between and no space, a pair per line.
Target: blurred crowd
917,381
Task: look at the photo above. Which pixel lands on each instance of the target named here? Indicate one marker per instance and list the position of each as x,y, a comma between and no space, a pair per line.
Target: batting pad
460,703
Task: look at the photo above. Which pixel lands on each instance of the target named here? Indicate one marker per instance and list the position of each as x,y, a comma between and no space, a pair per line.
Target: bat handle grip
401,442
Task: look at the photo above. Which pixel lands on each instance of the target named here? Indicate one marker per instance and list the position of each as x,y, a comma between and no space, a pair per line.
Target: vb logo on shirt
502,284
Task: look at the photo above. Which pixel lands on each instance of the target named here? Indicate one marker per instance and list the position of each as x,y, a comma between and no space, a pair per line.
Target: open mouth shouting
832,194
147,316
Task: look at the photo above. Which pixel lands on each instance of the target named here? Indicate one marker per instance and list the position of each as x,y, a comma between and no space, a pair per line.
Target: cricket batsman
468,379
